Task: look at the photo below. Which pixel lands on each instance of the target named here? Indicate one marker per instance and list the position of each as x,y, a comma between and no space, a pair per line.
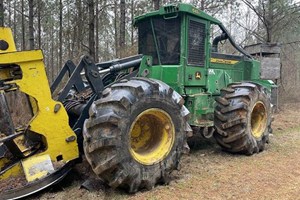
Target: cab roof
173,9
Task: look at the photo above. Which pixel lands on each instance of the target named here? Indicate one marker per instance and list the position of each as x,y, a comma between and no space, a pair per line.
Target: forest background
67,29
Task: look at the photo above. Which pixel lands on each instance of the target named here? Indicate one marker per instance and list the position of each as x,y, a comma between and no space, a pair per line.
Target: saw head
37,151
18,186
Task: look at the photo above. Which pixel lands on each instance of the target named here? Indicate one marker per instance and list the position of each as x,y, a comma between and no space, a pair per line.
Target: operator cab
177,39
180,30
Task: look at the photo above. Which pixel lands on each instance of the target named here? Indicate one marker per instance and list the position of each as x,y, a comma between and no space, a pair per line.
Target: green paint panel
170,74
201,105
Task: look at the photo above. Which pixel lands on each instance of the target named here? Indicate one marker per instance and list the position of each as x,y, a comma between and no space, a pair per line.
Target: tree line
67,29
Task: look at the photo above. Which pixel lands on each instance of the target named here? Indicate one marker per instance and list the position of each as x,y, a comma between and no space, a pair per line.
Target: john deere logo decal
198,75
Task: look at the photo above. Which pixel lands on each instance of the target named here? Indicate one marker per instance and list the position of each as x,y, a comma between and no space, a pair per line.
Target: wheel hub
258,119
152,135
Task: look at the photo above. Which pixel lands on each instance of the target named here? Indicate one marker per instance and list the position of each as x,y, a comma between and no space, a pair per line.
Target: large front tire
243,118
135,135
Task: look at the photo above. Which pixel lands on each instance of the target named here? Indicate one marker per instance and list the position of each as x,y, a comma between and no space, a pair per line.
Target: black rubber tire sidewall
245,95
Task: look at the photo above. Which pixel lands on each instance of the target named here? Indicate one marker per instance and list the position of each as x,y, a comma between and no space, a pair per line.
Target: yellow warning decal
223,61
37,167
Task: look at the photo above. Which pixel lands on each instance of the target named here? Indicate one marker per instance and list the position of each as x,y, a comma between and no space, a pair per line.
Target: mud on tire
243,118
116,118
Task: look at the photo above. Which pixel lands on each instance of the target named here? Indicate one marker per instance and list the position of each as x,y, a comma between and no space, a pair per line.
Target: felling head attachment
30,159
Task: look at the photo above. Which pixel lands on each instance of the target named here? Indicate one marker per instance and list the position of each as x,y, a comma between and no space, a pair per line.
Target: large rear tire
243,118
135,135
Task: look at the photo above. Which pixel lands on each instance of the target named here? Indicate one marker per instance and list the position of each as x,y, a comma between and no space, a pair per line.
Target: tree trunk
39,18
116,28
202,4
68,34
30,23
15,22
156,4
52,56
79,25
91,28
122,27
74,37
1,13
23,26
132,18
97,32
270,20
9,12
60,33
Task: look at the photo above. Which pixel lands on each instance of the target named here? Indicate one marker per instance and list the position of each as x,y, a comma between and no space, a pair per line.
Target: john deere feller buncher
129,116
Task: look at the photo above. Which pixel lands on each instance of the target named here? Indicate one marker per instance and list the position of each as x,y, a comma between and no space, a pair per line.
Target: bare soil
209,173
13,183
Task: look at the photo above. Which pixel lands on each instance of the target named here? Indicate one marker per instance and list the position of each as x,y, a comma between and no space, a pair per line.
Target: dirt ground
210,173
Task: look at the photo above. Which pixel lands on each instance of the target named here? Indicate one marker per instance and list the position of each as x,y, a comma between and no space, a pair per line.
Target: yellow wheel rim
152,136
258,119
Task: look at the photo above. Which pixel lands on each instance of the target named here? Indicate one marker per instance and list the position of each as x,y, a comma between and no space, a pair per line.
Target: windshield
166,32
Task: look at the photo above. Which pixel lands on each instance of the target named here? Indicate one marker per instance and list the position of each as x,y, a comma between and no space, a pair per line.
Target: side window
196,43
146,41
167,33
167,36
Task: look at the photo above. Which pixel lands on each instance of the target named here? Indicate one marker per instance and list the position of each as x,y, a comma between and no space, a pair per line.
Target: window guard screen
196,43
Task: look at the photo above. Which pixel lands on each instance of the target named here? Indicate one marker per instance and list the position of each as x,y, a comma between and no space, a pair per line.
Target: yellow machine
25,71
